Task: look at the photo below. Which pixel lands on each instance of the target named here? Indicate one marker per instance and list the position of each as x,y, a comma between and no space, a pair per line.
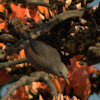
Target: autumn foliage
79,75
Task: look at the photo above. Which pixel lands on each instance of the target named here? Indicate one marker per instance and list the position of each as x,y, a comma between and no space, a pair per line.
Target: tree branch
51,86
12,49
12,63
59,18
29,79
93,54
37,2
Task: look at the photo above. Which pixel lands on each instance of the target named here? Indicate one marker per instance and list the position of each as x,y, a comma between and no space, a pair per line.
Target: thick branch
27,80
38,2
59,18
32,2
12,63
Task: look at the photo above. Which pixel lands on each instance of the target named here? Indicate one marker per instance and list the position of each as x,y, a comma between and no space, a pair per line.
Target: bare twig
29,79
14,62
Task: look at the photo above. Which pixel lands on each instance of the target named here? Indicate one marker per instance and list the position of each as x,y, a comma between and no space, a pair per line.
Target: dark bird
45,58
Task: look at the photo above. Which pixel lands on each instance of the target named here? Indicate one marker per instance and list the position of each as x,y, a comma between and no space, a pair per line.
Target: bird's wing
43,57
45,51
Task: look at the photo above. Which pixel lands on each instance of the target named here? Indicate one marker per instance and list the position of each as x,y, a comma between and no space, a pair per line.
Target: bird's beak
68,81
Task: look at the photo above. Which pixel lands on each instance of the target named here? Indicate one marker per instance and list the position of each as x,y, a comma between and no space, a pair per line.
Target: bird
45,58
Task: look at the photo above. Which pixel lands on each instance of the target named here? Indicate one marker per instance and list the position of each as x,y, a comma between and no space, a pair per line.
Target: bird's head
62,71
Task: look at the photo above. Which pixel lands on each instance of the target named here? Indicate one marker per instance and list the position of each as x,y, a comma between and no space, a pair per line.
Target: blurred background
91,97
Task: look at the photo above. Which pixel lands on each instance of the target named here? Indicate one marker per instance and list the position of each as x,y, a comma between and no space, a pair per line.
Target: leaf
79,80
21,12
2,8
40,97
3,26
4,77
19,94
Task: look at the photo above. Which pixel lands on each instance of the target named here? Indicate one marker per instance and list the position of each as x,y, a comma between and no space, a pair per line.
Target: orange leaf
3,26
44,11
4,77
40,97
2,8
79,80
57,85
2,45
19,94
22,54
21,12
41,9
